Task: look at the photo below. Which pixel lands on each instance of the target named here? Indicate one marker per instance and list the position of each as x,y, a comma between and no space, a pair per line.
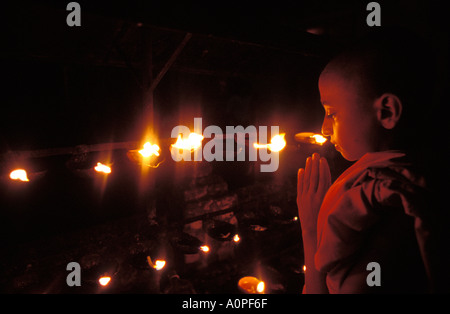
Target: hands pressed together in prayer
313,183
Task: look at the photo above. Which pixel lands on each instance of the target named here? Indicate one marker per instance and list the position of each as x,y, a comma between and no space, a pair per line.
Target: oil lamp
220,230
250,284
148,155
310,138
158,264
188,244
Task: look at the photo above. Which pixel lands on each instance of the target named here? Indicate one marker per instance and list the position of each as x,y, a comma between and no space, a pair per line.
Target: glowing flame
260,287
19,174
310,138
104,281
102,168
158,265
276,144
204,248
149,150
236,238
319,139
193,142
304,268
252,285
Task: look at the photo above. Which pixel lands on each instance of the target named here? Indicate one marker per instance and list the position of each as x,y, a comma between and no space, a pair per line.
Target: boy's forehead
344,70
337,90
339,71
332,81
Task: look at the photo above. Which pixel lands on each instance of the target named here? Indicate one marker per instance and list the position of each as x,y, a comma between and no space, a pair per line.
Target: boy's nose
327,129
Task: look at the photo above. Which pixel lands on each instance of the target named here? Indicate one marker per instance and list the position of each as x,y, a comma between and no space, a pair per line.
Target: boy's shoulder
387,166
395,182
399,169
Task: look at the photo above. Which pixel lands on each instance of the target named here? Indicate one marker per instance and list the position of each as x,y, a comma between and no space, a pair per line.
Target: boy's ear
389,110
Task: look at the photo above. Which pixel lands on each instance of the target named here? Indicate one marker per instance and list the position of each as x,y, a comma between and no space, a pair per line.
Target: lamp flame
158,265
193,142
102,168
310,138
19,174
260,287
319,139
236,238
104,281
276,144
149,150
204,248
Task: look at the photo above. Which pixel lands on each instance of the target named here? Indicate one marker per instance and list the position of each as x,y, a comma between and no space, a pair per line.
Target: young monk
380,209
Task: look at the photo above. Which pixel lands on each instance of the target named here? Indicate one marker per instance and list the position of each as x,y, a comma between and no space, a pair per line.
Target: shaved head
387,61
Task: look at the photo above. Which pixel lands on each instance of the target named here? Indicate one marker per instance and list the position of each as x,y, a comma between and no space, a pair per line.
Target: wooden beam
40,153
169,62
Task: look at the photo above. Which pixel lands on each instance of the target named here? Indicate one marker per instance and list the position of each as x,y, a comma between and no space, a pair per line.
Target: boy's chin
347,156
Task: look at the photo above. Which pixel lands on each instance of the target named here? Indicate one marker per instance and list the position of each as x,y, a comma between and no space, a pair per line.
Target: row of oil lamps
246,284
193,142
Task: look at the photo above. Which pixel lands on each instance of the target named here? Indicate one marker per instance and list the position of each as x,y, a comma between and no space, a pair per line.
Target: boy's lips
336,146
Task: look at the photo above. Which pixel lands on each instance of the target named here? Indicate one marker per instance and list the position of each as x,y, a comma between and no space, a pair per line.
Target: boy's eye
330,112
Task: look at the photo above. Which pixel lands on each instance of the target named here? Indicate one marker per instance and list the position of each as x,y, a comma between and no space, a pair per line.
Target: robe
378,210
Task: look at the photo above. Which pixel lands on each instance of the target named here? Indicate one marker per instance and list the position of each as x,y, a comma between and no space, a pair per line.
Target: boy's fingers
300,175
307,175
325,176
327,172
314,175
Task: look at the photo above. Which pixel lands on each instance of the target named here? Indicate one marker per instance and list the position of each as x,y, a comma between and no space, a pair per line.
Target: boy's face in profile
350,119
